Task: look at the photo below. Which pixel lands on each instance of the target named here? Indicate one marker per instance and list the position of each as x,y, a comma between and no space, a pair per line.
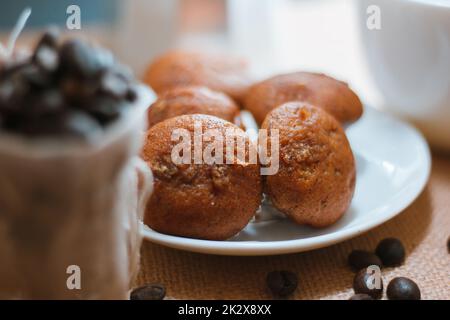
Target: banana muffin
197,198
219,72
316,178
318,89
191,100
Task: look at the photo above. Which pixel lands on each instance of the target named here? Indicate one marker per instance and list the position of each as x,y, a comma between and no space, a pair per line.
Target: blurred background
275,35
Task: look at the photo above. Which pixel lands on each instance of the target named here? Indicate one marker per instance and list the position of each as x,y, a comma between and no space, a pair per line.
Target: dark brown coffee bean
402,288
131,95
361,296
49,39
78,91
113,85
34,76
282,283
47,58
104,58
360,259
148,292
391,252
6,91
50,101
78,58
105,109
79,124
448,245
365,282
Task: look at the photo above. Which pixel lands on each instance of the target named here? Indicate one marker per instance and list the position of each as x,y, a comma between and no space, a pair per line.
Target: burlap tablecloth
323,274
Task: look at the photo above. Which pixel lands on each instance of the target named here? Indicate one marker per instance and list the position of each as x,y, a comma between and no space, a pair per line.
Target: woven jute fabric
323,274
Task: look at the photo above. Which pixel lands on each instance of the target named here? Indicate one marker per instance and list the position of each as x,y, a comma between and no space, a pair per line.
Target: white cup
409,58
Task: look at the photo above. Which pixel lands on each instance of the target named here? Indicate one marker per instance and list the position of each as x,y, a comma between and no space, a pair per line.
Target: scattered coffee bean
361,296
402,288
391,252
448,245
148,292
360,259
282,283
365,282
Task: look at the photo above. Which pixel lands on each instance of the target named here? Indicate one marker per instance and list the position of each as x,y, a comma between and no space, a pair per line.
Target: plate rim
255,248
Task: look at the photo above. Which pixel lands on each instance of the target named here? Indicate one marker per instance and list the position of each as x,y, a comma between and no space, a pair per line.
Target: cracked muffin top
320,90
223,73
195,197
316,178
192,100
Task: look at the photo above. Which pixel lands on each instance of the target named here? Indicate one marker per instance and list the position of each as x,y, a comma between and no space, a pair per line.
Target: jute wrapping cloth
323,274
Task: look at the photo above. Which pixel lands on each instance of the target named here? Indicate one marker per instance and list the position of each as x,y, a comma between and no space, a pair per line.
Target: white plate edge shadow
254,248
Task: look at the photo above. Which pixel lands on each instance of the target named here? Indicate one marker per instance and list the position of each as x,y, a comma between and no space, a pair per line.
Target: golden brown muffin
316,178
218,72
191,100
318,89
204,201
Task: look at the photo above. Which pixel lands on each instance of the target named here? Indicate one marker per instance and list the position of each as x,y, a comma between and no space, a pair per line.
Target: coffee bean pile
66,88
389,252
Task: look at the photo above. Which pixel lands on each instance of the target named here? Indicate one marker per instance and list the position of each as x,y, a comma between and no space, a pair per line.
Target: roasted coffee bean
113,85
47,58
148,292
365,282
448,245
6,91
282,283
105,58
391,252
402,288
78,91
80,124
50,101
131,95
105,109
49,39
34,76
361,296
78,58
360,259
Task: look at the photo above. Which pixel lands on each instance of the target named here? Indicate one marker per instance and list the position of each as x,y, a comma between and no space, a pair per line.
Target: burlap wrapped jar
69,212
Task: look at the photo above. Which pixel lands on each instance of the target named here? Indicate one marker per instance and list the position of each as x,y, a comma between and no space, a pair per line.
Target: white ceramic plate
393,166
